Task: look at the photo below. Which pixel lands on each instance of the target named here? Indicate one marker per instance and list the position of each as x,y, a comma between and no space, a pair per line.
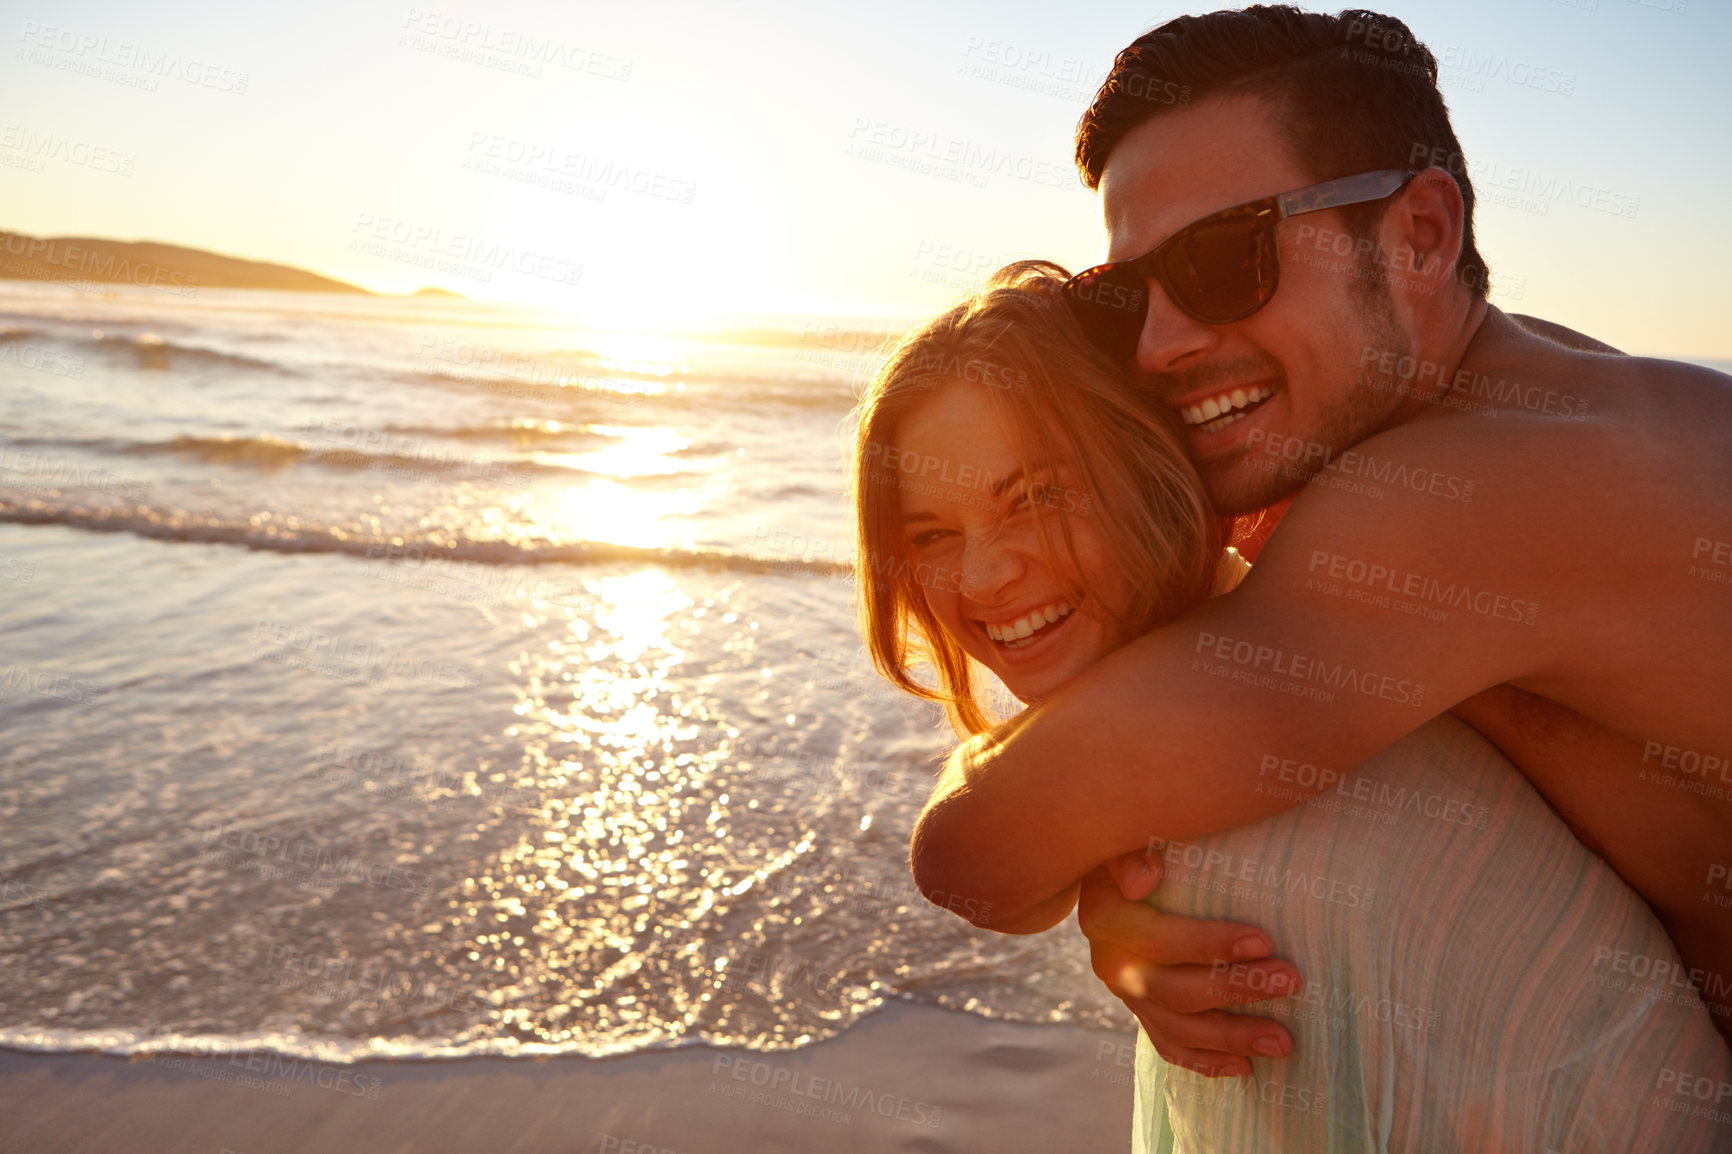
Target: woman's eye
930,537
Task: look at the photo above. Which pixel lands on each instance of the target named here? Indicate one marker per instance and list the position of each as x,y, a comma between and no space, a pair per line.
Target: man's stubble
1256,478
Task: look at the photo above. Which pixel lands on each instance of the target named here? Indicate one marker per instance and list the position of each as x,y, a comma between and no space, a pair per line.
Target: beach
428,692
908,1078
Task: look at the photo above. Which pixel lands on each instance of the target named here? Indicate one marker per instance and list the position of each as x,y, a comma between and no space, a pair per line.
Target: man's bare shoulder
1521,502
1448,467
1563,335
1539,446
1520,359
1525,411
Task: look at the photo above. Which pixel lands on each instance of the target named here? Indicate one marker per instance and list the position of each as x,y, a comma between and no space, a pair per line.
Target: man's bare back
1627,459
1608,747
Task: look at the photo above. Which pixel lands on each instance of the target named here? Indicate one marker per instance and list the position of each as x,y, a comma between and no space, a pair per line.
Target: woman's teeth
1018,633
1217,412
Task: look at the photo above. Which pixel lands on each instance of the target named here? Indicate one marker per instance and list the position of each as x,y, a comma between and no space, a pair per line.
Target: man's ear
1422,233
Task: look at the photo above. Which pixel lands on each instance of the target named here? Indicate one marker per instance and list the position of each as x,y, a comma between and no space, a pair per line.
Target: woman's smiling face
967,513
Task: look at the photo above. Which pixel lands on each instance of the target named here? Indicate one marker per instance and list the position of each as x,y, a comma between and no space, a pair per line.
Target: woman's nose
990,563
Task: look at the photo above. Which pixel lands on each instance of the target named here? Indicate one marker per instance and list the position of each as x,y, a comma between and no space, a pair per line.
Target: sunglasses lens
1110,304
1222,271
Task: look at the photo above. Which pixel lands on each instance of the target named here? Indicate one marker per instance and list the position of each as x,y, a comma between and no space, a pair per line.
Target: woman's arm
1190,729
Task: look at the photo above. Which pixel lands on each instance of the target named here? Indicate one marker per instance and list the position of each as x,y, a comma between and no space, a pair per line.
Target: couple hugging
1387,765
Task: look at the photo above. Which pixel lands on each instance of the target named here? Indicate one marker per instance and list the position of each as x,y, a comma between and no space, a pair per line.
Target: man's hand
1162,967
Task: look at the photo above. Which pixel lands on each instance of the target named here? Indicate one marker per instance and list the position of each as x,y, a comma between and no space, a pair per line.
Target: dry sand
908,1078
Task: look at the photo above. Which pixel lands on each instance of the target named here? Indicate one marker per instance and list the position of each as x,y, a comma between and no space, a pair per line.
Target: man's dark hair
1357,92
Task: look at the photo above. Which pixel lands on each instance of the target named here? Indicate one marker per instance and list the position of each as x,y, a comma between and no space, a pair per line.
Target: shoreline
907,1078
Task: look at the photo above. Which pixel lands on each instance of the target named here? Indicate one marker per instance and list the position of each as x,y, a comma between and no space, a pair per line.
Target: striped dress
1475,979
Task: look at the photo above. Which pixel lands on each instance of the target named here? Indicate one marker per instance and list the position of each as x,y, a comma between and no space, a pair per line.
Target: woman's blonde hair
1065,401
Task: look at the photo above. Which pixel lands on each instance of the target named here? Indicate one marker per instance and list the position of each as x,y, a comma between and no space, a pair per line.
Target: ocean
424,678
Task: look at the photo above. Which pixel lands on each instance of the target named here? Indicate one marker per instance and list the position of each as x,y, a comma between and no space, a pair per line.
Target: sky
660,162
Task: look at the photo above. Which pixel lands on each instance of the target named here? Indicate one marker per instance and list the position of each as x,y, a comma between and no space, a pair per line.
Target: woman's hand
1175,973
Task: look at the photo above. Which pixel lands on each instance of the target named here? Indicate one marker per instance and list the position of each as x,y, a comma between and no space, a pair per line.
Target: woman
1023,510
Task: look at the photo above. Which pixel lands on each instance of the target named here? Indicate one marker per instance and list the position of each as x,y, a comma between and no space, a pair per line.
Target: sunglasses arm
1366,186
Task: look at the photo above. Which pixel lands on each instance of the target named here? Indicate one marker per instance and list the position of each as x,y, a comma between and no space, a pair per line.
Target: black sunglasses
1221,268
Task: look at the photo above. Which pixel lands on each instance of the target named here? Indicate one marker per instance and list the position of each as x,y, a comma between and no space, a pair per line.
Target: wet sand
909,1078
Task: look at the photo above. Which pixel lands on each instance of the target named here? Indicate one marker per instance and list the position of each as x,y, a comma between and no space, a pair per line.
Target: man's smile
1218,410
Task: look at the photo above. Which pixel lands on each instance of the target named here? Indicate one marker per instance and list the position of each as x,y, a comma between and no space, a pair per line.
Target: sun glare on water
610,512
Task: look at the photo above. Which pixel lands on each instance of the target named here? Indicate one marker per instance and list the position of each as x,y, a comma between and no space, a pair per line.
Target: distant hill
166,266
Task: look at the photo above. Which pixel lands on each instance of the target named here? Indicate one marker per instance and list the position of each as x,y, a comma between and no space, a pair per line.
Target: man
1481,518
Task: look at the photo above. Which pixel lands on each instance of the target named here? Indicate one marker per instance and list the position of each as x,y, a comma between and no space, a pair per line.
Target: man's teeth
1028,624
1225,404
